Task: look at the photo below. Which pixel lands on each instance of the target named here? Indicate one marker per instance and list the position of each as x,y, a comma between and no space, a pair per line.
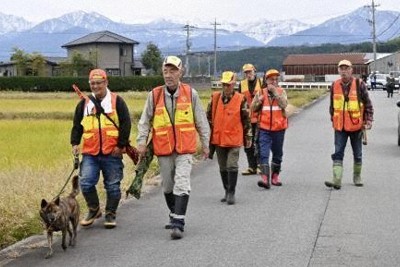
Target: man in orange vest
249,87
104,124
270,103
174,114
351,113
228,115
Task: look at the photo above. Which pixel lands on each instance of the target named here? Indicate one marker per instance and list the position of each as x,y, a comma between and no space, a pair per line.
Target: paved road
300,224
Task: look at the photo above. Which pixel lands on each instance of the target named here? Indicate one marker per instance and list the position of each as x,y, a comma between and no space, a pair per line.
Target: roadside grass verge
36,159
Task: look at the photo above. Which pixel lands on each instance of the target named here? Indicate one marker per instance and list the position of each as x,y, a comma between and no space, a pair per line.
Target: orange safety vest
272,116
347,115
99,133
179,135
227,126
244,88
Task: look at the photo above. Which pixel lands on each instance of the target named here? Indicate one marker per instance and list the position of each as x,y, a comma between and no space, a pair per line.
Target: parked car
398,124
380,81
396,75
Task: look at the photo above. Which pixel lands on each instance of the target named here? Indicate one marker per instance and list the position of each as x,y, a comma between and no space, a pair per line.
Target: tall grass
35,154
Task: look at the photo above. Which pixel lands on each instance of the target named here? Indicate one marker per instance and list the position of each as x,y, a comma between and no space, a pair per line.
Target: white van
380,81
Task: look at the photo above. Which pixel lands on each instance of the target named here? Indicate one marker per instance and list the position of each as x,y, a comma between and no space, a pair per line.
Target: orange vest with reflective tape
347,113
99,133
227,128
244,88
178,135
272,116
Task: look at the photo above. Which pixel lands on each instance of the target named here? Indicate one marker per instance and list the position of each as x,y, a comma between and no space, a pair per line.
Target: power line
389,26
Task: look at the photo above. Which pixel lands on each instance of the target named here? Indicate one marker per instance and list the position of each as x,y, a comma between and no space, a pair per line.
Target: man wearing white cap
174,114
351,113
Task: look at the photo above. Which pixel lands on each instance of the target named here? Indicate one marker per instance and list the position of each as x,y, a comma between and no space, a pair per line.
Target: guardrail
286,85
218,85
305,86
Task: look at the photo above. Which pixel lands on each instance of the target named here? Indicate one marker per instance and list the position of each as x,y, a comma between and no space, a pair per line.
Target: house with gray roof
107,50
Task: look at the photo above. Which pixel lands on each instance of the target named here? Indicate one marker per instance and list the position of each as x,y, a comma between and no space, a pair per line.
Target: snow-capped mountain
354,27
9,23
265,30
48,36
90,21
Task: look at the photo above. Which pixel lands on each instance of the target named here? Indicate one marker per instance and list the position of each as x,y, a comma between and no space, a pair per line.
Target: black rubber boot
251,158
92,202
224,178
170,199
178,222
232,180
111,213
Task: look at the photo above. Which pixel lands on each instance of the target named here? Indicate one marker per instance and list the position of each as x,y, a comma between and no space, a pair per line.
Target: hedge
63,84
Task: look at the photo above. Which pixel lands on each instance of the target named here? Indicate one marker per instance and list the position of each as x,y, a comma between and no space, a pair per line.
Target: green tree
151,58
37,64
21,60
28,64
77,65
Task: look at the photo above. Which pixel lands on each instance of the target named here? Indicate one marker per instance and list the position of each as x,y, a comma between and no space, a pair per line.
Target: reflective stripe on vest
100,132
272,116
347,115
244,87
180,135
227,124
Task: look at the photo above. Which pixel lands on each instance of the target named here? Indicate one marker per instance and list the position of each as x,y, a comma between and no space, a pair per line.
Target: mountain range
48,36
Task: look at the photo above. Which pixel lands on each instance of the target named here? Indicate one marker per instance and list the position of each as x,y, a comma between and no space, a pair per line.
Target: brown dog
60,215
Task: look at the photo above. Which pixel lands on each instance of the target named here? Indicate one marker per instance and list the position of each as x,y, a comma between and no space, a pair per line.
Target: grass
35,155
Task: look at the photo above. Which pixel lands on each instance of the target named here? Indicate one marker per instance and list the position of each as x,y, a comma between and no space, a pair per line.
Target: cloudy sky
139,11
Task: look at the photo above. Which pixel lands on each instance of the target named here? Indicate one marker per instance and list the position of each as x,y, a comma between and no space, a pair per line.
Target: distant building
321,67
108,50
9,69
386,63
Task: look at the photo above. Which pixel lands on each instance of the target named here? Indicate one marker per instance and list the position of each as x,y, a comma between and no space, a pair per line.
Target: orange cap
272,72
97,74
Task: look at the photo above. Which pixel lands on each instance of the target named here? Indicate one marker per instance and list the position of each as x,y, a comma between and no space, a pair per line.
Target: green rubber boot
336,182
357,174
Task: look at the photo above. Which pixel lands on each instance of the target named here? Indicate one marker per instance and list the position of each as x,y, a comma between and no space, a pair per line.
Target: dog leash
75,167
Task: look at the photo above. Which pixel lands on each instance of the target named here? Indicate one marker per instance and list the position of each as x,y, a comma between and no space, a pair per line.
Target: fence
286,85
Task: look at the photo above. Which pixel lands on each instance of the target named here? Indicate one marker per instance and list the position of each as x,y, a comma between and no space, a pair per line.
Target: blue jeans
111,168
340,145
270,141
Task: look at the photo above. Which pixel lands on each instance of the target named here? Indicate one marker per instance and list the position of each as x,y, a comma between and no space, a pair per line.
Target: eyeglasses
93,83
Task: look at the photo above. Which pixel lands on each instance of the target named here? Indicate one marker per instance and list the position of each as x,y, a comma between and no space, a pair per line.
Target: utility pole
215,47
187,27
373,22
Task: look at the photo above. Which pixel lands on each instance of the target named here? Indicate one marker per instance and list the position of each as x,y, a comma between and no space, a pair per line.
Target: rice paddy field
36,158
